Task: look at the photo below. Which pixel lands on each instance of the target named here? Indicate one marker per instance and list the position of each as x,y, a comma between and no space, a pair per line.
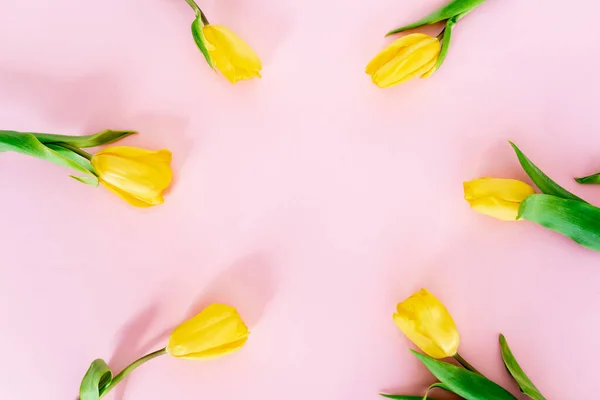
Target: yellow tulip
408,57
216,331
427,323
498,198
139,176
230,54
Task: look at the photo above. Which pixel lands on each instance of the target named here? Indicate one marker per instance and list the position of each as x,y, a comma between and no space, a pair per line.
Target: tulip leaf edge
515,370
577,220
463,382
443,13
541,180
201,41
95,380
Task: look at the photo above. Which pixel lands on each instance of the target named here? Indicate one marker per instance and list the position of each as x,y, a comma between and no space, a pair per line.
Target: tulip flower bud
218,330
408,57
427,323
498,198
139,176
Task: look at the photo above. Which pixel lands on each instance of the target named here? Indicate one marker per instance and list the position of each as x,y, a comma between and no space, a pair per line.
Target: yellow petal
432,67
134,201
216,331
387,54
410,62
427,323
137,175
498,198
231,54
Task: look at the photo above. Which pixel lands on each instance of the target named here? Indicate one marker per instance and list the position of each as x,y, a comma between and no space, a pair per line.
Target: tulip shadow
247,285
497,161
128,348
66,101
267,27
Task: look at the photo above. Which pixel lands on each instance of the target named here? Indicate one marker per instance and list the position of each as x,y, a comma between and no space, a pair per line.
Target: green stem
198,11
121,375
76,150
466,364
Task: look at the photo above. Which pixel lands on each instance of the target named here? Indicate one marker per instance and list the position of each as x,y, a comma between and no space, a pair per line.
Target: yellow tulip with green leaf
427,323
216,331
555,208
223,49
418,54
138,176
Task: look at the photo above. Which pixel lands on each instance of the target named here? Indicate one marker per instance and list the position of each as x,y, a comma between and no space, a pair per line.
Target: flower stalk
130,368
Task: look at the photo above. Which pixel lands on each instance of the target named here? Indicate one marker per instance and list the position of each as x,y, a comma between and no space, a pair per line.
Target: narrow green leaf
200,40
401,397
517,372
82,161
541,180
590,179
27,143
450,10
98,139
577,220
97,377
466,384
435,386
91,180
450,24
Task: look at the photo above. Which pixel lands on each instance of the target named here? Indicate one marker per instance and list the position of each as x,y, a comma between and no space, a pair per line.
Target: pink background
310,199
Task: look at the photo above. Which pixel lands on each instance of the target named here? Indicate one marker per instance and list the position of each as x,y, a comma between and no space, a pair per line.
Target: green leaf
434,386
541,180
88,180
98,139
450,10
97,377
462,382
401,397
590,179
27,143
450,24
577,220
517,372
200,40
71,155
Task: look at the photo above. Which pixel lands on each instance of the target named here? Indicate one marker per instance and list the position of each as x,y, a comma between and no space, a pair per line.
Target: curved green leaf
450,10
462,382
589,180
577,220
401,397
200,40
517,372
450,24
541,180
97,377
435,386
27,143
98,139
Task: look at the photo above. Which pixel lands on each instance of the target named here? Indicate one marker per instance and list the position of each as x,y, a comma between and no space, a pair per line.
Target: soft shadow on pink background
309,199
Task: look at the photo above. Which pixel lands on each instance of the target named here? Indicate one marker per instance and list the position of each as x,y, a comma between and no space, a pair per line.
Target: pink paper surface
309,199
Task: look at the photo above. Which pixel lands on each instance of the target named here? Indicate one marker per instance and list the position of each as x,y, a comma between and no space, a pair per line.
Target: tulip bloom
138,176
498,198
427,323
218,330
408,57
230,54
